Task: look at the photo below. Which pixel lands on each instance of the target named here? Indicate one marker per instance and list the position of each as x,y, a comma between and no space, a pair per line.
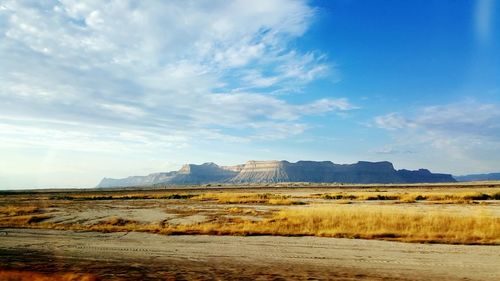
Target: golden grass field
431,214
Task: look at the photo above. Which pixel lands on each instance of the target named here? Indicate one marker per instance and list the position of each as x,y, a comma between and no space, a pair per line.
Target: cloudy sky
90,89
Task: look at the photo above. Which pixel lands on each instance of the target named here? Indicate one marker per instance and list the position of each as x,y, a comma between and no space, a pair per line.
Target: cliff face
263,171
283,171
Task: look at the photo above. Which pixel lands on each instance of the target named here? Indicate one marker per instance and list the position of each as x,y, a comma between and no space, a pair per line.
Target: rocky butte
282,171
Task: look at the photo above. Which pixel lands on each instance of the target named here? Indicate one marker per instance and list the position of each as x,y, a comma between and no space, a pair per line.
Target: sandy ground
144,256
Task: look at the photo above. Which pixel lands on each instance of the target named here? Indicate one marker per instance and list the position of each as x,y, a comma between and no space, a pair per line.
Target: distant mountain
282,171
479,177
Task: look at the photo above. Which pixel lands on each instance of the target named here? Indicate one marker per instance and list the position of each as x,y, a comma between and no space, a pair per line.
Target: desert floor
142,256
93,232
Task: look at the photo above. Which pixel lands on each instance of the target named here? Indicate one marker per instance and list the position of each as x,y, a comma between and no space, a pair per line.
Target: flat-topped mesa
262,171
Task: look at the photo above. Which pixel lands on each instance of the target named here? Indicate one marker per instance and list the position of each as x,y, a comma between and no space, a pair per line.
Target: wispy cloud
467,131
469,118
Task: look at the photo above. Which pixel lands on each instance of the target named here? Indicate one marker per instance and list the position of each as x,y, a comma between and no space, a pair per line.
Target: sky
93,89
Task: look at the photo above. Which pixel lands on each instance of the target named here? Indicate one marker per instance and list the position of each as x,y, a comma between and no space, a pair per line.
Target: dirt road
149,256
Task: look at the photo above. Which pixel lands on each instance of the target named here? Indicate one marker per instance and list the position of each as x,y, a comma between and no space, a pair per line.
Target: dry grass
21,215
12,275
363,222
388,224
242,211
22,220
368,222
411,197
248,198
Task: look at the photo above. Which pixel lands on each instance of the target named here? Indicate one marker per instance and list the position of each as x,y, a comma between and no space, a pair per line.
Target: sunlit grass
410,197
248,198
363,222
369,222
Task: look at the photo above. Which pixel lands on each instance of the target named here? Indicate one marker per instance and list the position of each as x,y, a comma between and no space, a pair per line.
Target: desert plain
283,231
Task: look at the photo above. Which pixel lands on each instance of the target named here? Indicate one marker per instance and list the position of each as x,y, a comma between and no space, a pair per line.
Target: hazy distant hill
283,171
188,174
479,177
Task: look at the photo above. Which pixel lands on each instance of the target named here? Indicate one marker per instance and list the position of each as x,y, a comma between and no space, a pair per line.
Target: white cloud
159,66
469,118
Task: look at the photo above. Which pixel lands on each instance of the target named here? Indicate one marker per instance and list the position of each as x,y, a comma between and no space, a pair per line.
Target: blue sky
90,89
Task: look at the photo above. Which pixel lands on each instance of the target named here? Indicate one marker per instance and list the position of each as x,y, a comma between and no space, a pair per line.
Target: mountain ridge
275,171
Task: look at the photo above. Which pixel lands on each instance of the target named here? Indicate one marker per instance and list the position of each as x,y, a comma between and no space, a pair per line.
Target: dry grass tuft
242,211
12,275
13,210
117,221
21,215
22,221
